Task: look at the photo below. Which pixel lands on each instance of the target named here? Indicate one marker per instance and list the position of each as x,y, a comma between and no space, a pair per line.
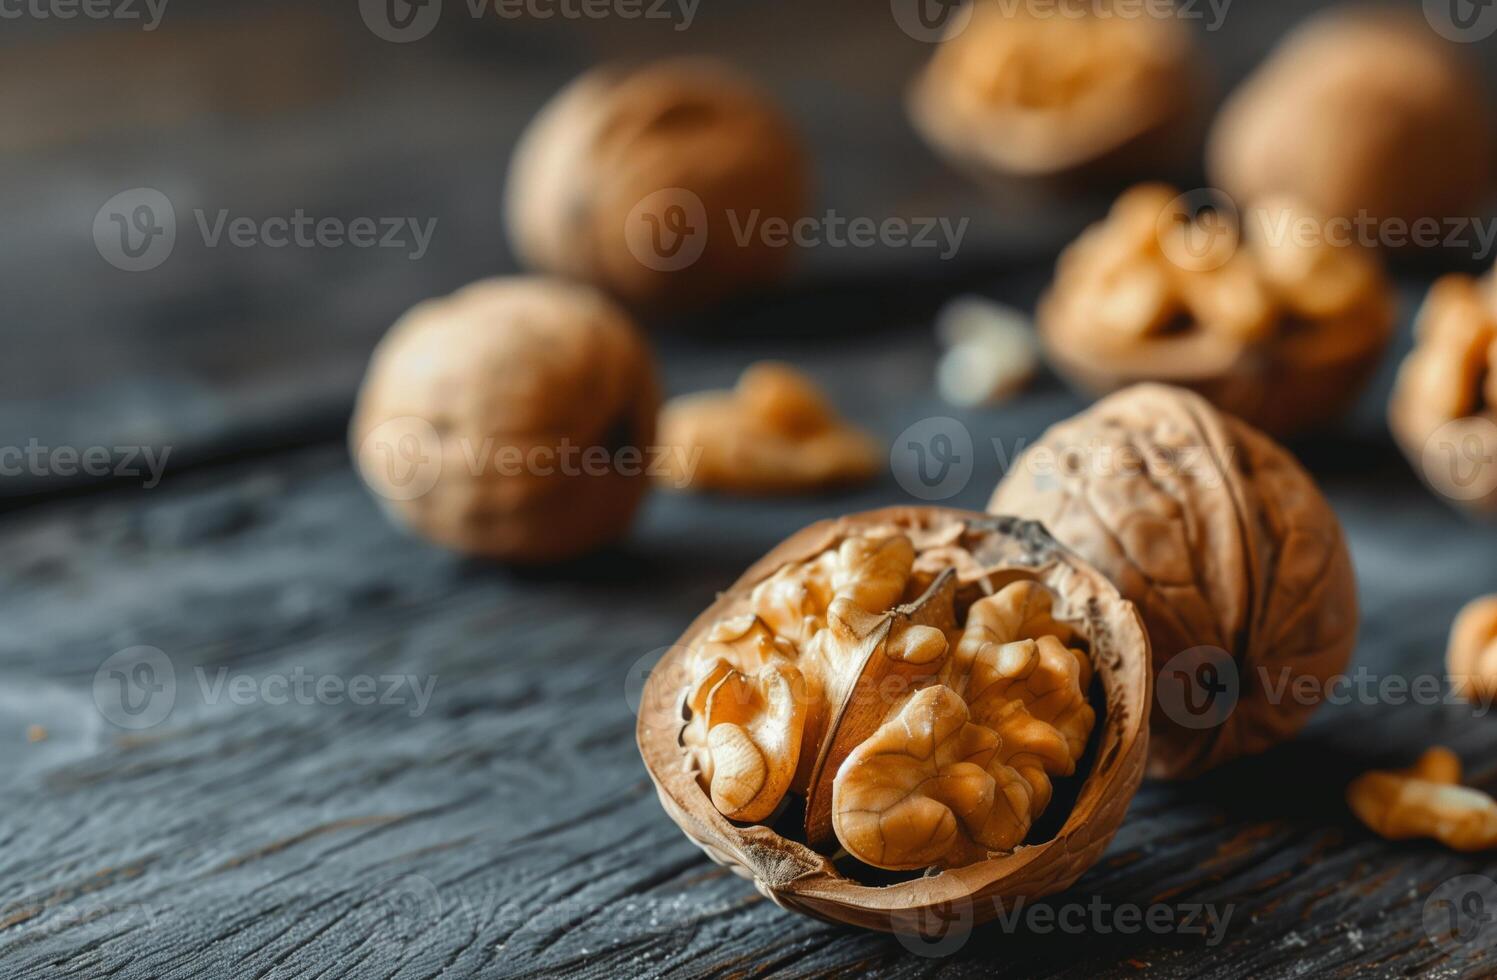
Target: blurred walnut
1426,800
637,179
1222,541
991,352
1471,657
773,433
916,681
1022,92
1360,113
1444,405
1274,317
510,419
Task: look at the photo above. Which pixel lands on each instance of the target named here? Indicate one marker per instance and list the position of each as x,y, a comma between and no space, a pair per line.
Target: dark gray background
510,827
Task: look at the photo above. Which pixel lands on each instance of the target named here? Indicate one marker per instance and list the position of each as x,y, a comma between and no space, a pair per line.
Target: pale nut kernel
754,726
1471,657
928,788
1426,800
992,352
1312,275
773,434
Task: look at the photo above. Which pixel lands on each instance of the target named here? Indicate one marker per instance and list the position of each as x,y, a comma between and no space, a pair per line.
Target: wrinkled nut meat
1362,115
1444,406
910,686
1278,328
1471,658
496,420
773,433
632,179
1426,800
1235,560
1018,93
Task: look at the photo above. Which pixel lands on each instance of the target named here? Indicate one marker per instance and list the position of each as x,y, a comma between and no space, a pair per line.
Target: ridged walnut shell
1360,111
635,179
1226,547
800,879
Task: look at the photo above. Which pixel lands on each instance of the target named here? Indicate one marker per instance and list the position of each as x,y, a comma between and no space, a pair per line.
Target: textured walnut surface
1219,537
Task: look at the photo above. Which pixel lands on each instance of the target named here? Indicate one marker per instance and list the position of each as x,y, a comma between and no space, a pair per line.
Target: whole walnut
1360,112
1235,560
1261,311
1444,406
510,419
1024,92
643,181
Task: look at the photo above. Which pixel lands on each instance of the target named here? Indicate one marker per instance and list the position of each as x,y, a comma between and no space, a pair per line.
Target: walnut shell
510,419
1360,112
1443,411
1279,332
1025,94
995,552
636,180
1224,543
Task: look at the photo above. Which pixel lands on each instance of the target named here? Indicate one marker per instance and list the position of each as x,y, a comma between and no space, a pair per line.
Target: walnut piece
1443,411
1426,800
1021,92
1276,326
991,352
914,740
1219,538
494,420
775,433
628,172
1360,113
1471,657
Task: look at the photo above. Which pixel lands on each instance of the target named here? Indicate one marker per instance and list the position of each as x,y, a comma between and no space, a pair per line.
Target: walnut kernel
1426,800
773,433
1471,657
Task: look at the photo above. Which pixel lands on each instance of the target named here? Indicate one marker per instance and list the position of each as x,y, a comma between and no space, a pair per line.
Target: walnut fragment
774,433
1426,800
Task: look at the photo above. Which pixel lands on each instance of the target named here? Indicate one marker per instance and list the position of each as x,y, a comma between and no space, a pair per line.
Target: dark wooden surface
506,826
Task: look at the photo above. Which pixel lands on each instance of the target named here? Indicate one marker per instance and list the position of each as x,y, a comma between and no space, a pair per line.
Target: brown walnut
510,419
942,661
684,149
1443,411
1026,93
1265,316
1224,544
1471,656
1360,113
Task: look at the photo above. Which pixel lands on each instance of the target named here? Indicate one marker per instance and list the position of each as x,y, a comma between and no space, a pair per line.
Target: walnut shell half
1228,549
977,555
